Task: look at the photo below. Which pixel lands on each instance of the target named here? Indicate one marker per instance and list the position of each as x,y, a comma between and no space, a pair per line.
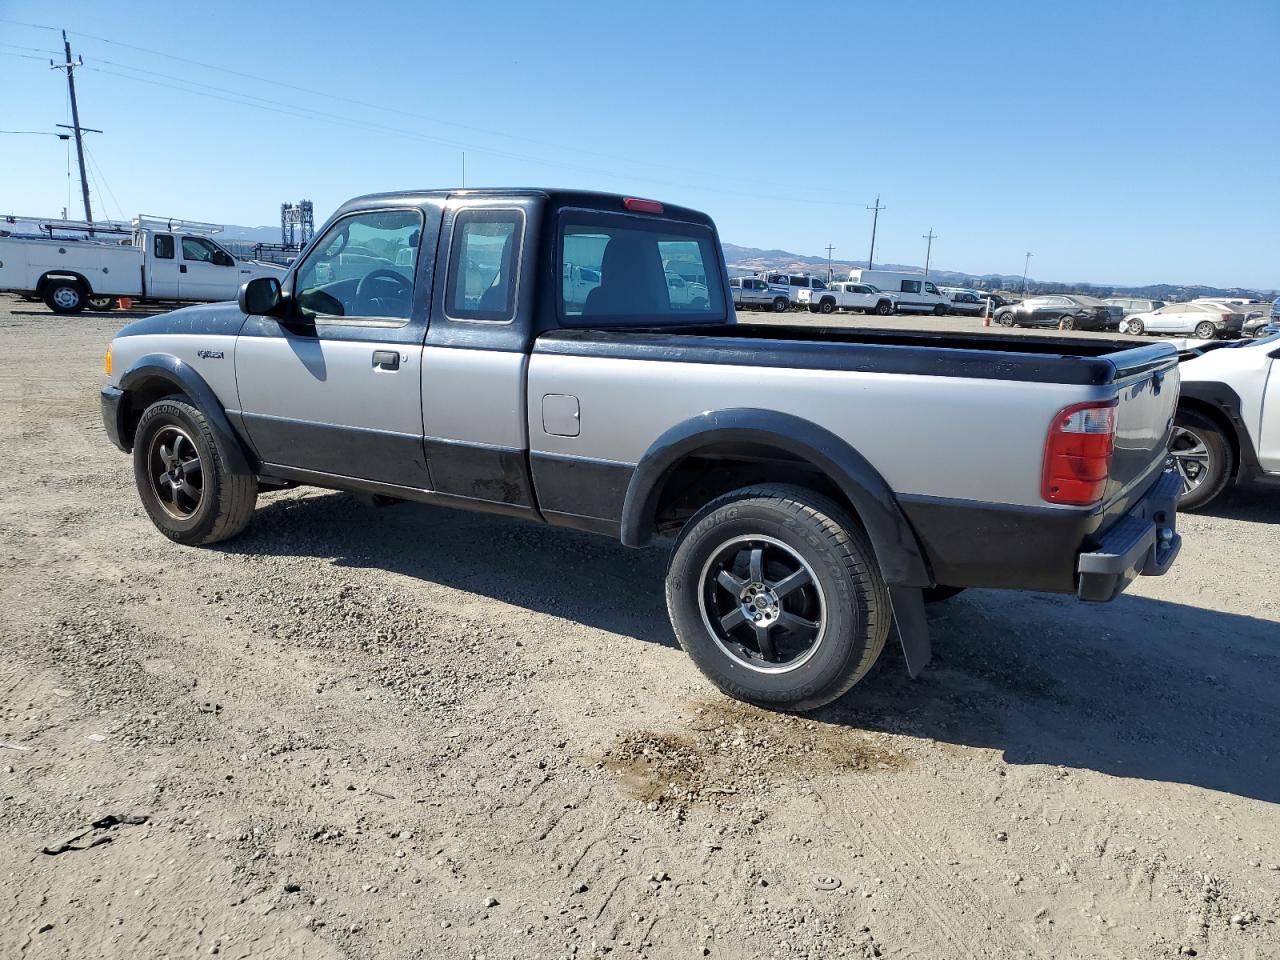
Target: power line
37,133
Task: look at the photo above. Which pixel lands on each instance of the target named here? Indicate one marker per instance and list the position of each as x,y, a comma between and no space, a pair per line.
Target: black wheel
884,308
65,296
1135,327
939,593
780,305
939,311
1202,456
1206,330
182,476
827,306
775,593
102,304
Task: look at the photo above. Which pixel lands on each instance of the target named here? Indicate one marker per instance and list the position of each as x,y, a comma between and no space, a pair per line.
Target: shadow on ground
1136,688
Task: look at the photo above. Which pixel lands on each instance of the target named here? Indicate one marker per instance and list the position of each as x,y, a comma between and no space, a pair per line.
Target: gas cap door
560,415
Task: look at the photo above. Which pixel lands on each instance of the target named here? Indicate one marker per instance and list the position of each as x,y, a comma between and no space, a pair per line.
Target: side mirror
260,296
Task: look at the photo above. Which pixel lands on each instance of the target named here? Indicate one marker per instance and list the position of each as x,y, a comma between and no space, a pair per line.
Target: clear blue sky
1120,142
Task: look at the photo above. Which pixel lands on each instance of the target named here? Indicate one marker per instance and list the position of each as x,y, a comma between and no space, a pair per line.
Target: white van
914,292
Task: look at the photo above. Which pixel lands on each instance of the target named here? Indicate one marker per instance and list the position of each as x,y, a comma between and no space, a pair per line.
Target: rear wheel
102,304
1202,457
182,477
827,306
1067,323
1206,330
780,305
775,594
65,296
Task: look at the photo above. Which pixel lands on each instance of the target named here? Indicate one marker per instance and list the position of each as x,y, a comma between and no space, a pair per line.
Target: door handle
386,359
182,268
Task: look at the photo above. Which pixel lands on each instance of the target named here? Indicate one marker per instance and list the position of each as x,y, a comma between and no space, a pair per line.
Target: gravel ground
411,733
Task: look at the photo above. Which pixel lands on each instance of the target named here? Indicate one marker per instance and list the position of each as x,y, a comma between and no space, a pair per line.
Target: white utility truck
157,259
915,292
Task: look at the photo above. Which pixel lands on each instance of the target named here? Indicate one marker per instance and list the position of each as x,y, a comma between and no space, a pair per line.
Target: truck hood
205,319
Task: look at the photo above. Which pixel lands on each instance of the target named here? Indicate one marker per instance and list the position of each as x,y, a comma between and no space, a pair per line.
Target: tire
781,305
102,304
765,537
1135,328
939,311
1202,457
1206,330
1067,323
171,436
939,593
699,303
1005,319
884,308
827,306
65,297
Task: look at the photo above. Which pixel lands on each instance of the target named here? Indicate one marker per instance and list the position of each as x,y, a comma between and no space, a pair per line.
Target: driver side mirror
260,296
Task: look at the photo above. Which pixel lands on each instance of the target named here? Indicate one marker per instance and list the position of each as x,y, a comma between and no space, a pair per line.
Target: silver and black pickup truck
524,352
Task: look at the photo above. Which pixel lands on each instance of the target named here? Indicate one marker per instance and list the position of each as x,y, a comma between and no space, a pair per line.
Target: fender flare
187,380
1226,403
902,561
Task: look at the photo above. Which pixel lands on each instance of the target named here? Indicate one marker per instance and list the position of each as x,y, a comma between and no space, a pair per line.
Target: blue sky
1120,142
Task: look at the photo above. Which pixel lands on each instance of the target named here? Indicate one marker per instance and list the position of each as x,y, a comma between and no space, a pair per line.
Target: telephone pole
70,67
928,251
1025,264
829,249
875,218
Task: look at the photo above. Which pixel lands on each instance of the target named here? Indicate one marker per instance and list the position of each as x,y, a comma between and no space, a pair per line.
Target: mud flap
912,626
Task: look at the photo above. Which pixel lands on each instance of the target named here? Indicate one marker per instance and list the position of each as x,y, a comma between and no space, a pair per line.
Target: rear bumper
111,401
1144,542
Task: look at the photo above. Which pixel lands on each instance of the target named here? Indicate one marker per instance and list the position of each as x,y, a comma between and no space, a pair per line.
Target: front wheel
182,477
775,593
827,306
780,305
1005,319
1136,327
65,297
1202,456
939,311
1206,330
884,308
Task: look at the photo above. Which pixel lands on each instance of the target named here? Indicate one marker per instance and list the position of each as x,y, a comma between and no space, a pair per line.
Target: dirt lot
409,733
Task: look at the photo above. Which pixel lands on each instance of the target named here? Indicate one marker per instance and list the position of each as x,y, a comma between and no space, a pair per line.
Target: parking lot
407,732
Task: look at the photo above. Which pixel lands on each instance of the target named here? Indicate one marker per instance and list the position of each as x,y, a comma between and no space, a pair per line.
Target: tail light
1077,453
1226,318
636,205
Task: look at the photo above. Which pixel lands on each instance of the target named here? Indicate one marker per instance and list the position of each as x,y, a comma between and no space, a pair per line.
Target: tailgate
1147,388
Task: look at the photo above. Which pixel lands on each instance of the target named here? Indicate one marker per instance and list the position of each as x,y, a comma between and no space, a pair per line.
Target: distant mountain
744,261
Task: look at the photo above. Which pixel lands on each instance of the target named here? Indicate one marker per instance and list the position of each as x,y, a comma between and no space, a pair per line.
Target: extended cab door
205,270
335,390
162,267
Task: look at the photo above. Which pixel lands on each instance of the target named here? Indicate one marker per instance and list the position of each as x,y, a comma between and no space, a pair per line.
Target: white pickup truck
850,296
159,260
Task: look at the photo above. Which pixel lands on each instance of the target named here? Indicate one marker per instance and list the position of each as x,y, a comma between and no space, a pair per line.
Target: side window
198,249
910,286
819,285
162,246
484,261
362,267
929,287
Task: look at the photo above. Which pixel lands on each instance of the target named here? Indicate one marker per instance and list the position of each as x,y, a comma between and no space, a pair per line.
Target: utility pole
928,251
70,67
464,169
829,249
875,218
1025,264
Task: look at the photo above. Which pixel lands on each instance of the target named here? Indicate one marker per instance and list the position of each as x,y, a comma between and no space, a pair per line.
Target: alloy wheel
1191,458
177,476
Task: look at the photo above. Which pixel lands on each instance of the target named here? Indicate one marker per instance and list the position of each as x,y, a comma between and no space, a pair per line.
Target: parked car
1254,321
916,293
477,380
967,303
161,260
1205,320
1132,305
1066,311
752,293
848,295
798,283
1227,426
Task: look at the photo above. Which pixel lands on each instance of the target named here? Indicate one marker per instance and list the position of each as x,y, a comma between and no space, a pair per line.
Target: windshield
637,270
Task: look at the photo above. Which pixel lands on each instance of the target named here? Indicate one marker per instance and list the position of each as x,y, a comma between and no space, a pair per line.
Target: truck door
337,389
206,271
162,267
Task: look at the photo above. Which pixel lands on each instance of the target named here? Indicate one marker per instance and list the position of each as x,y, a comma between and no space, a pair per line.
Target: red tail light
1077,453
1226,318
637,205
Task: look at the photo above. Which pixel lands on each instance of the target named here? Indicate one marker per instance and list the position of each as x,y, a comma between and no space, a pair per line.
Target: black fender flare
186,379
1225,402
902,561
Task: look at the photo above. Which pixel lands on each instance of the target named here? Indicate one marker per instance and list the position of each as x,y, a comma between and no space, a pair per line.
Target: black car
1064,311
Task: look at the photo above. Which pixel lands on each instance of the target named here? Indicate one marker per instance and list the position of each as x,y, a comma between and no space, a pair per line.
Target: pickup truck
818,485
847,295
157,261
754,293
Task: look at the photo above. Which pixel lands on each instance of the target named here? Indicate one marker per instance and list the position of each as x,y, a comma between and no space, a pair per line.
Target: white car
1227,425
848,295
1205,321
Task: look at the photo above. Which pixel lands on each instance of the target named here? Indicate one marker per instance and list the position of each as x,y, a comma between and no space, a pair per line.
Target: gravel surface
412,733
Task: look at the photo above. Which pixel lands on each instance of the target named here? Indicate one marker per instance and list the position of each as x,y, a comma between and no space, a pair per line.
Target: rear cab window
619,269
484,265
